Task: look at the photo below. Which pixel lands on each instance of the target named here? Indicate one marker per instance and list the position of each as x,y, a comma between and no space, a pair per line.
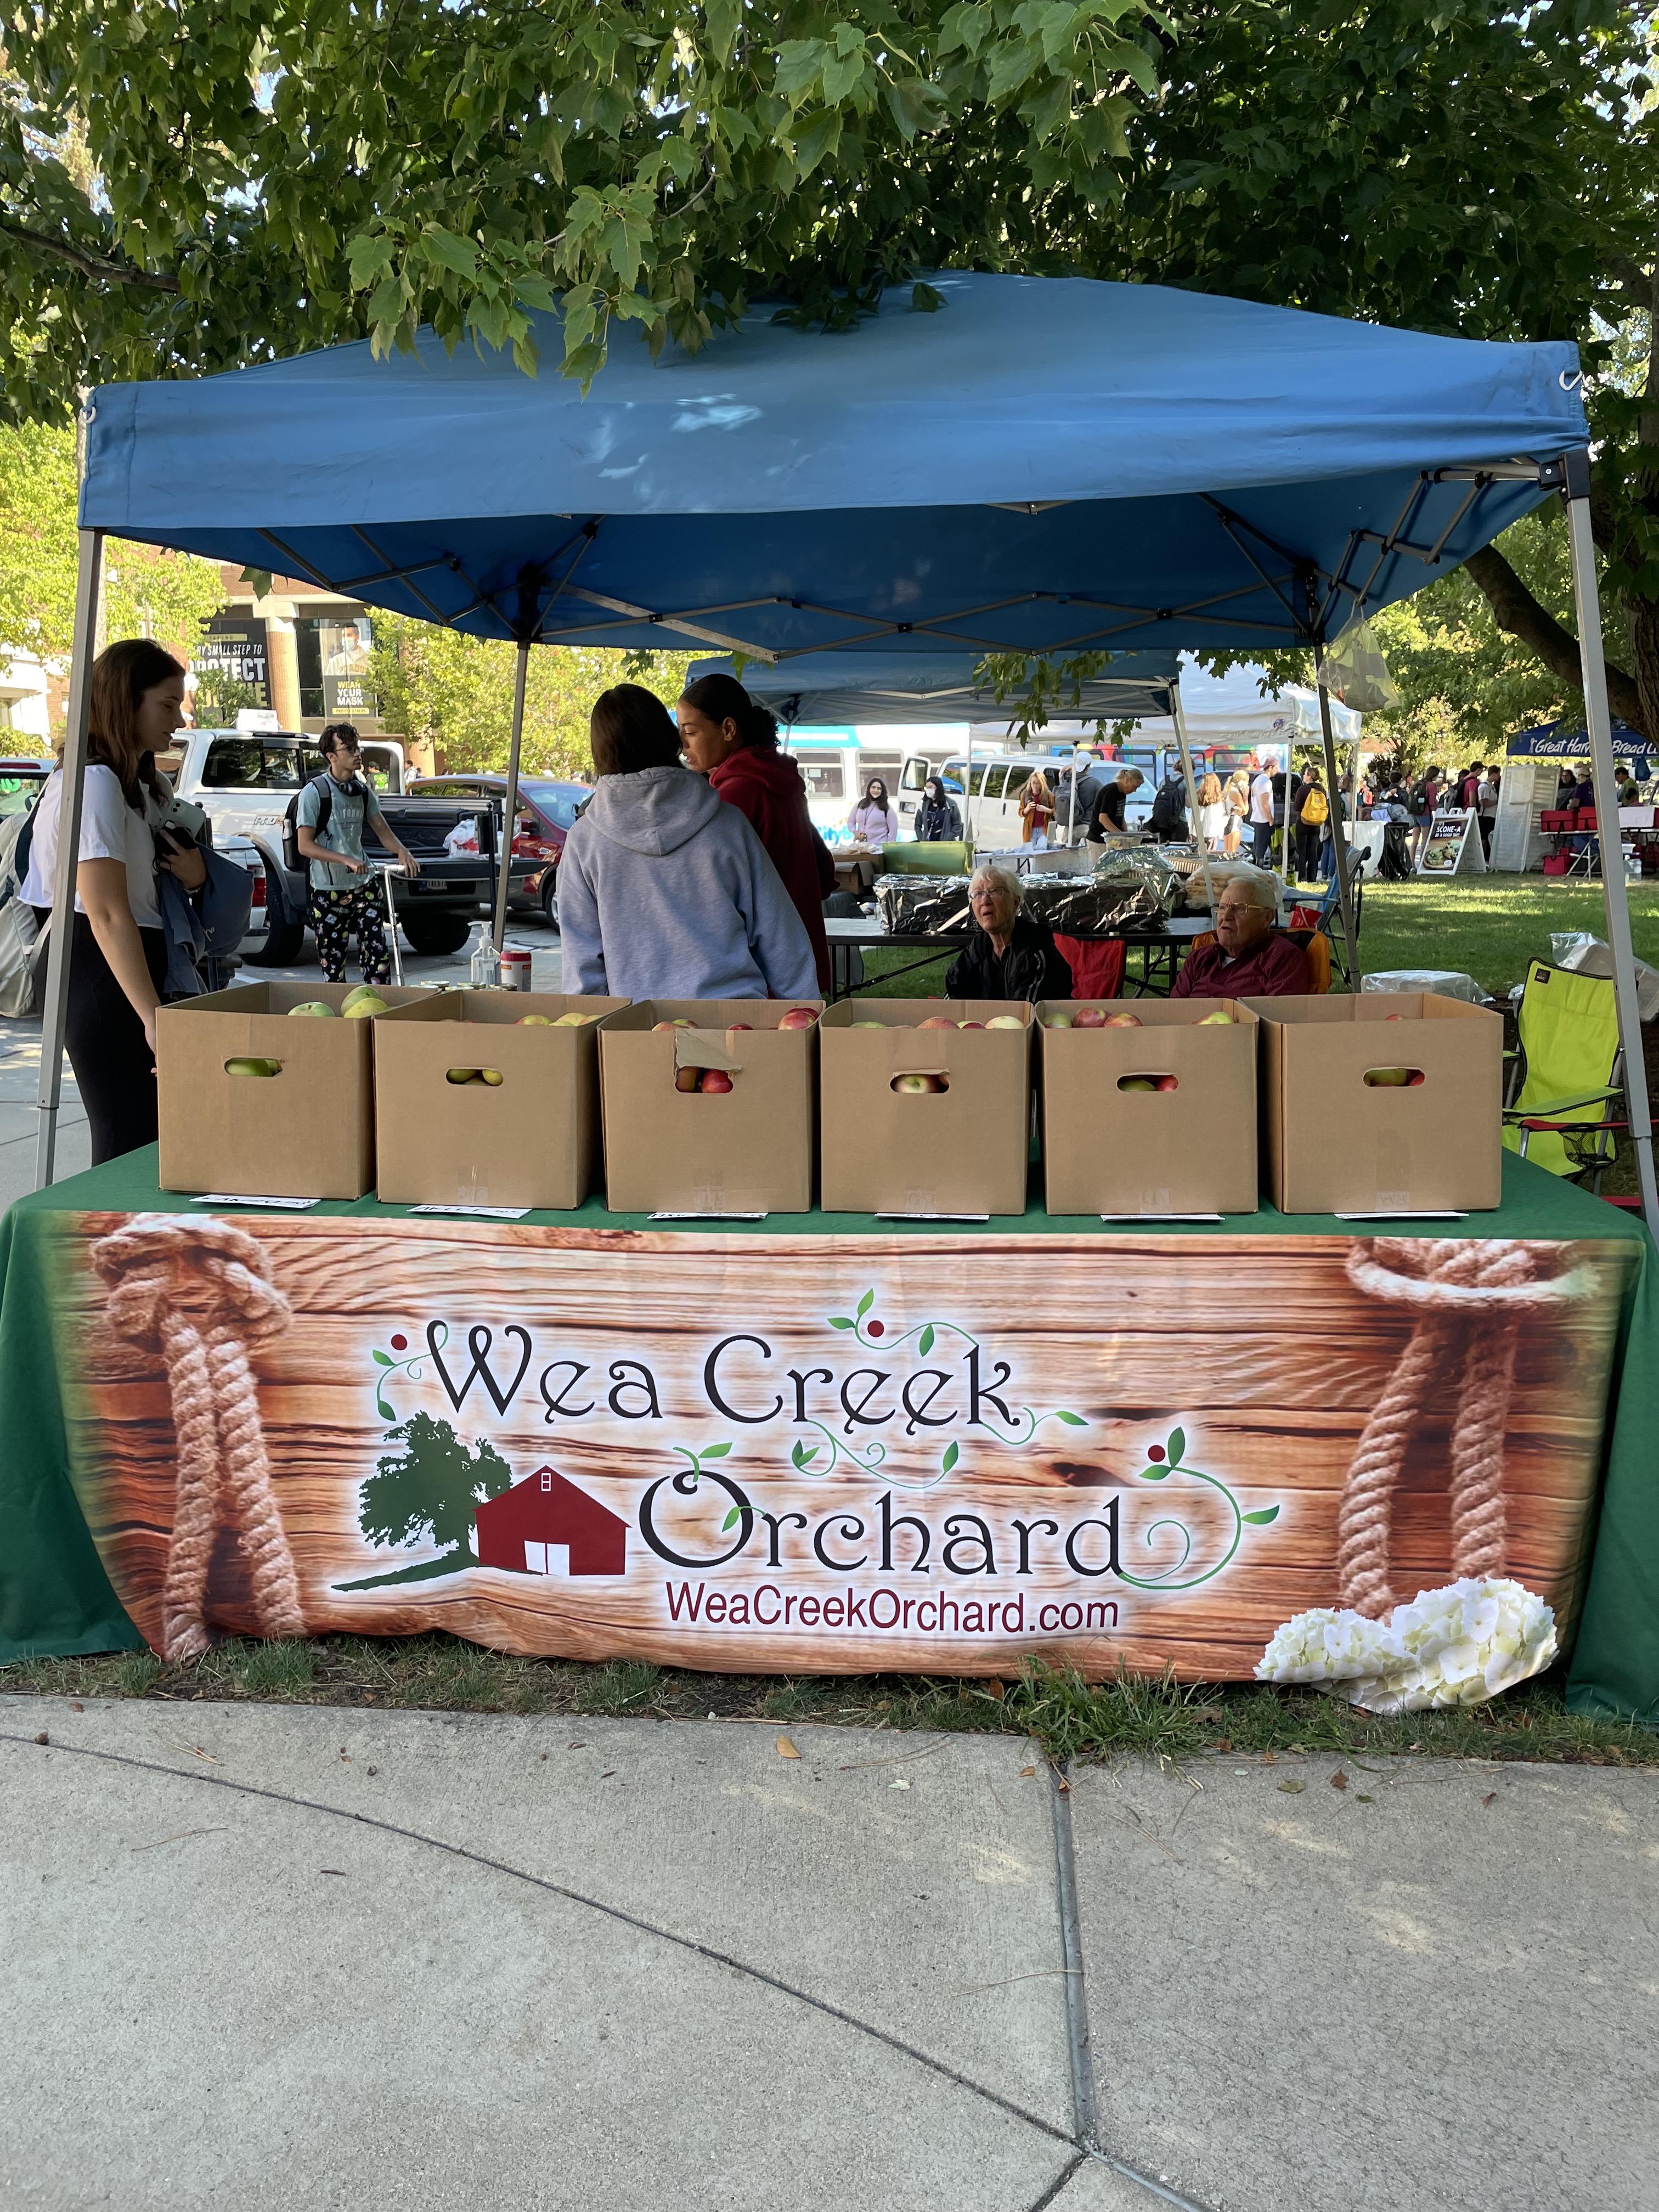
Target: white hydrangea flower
1454,1646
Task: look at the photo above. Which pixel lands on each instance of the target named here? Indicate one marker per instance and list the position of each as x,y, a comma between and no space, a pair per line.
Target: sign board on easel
1452,848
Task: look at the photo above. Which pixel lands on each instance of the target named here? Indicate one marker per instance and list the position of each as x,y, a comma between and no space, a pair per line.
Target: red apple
1122,1022
685,1078
798,1018
936,1022
970,1025
1166,1082
730,1026
715,1079
1089,1018
1415,1078
656,1026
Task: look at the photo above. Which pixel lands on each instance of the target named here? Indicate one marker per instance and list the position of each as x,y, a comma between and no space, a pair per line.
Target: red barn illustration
545,1526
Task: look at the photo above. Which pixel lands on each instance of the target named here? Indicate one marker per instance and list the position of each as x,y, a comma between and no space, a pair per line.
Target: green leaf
924,300
951,1455
1261,1518
816,138
731,1519
260,580
1071,1420
1177,1445
714,1451
448,251
367,259
925,1341
842,1321
1153,1473
381,1359
866,1302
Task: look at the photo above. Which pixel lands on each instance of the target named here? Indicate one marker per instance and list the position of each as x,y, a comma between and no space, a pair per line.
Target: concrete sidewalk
263,1957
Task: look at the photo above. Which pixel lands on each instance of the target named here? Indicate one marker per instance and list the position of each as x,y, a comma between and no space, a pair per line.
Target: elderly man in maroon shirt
1250,959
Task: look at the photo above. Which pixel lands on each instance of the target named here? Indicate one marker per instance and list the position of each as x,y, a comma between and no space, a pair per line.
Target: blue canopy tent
1560,741
1043,465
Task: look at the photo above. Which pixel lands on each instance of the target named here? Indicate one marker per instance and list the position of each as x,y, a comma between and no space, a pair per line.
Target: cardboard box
308,1131
531,1140
1192,1149
1336,1144
749,1150
963,1150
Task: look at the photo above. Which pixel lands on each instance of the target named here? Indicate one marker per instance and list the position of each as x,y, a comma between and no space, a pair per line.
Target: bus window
822,778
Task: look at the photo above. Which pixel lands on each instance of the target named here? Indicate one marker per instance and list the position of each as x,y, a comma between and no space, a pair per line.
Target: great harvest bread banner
938,1453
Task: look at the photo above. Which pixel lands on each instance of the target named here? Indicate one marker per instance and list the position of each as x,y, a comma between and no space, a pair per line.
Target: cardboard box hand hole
1393,1079
1149,1082
919,1086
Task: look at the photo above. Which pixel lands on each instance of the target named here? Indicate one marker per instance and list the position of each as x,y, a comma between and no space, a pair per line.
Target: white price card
932,1217
1160,1217
1406,1214
713,1213
240,1198
482,1212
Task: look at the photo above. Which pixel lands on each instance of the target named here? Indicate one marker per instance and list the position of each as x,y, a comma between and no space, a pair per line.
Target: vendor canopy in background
1143,467
1233,708
895,689
1555,741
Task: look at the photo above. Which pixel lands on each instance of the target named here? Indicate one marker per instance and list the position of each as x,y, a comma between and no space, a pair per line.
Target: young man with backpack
1169,810
329,817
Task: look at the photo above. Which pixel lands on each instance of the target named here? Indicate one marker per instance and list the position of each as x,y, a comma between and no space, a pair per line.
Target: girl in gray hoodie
664,891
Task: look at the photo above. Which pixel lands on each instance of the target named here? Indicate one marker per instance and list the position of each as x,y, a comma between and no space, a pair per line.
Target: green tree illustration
429,1491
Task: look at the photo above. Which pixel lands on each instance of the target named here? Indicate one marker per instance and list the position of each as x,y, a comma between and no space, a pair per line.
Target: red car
546,811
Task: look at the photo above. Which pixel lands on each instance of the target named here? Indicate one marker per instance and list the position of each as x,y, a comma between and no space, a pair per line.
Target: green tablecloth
56,1600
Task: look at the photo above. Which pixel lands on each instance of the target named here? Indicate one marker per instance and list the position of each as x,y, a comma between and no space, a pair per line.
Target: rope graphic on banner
200,1291
1469,1296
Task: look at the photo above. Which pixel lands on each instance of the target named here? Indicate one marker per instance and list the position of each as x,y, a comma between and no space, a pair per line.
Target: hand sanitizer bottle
485,971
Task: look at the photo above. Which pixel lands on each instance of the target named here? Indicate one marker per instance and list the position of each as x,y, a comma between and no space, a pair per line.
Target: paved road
20,1054
293,1957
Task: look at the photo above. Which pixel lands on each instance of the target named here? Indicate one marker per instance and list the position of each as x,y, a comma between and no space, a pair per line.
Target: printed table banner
823,1454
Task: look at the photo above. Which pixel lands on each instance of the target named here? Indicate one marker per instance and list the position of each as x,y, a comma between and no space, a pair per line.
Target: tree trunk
1644,654
1517,611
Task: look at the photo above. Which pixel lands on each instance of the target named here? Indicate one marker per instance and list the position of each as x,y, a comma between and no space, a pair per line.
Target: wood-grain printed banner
940,1453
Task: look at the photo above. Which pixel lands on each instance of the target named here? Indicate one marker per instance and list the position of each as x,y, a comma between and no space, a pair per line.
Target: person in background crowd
1235,799
1425,798
1469,788
732,740
1212,813
1037,812
1170,809
665,891
938,818
872,821
1107,819
1486,802
1313,815
1250,959
1583,792
1566,779
1009,955
1261,816
117,950
342,902
1630,792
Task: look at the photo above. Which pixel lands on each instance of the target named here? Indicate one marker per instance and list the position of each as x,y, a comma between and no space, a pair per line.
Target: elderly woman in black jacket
1009,956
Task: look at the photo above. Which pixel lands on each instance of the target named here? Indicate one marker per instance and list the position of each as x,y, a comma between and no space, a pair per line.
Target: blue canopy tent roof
1044,464
935,687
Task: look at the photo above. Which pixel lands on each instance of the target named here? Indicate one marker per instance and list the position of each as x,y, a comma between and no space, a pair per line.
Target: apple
461,1075
357,991
1137,1083
914,1085
1001,1022
1388,1078
1122,1022
970,1025
1416,1078
364,1009
314,1008
1089,1018
543,1021
936,1022
1057,1022
657,1026
730,1026
686,1078
859,1025
1210,1020
1167,1083
1394,1018
252,1067
492,1076
714,1079
801,1018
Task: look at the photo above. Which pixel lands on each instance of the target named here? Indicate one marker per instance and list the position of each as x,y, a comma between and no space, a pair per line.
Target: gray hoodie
666,893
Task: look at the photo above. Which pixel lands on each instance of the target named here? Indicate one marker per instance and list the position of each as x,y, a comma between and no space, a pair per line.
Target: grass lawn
1070,1719
1488,927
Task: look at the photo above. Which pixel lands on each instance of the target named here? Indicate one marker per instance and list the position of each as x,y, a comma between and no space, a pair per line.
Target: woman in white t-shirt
118,952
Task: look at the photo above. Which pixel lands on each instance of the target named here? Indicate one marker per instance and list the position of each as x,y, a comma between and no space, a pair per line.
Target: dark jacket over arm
1031,968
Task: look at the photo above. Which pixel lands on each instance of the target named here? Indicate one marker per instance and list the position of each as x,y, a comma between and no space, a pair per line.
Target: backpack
1419,799
1314,810
293,859
1169,810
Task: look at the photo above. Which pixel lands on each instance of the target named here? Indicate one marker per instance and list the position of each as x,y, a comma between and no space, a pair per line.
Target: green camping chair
1570,1067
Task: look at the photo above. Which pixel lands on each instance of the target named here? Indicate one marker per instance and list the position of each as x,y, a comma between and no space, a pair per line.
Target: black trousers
114,1066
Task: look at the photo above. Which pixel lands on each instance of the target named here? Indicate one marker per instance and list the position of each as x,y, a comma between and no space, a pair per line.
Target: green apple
314,1007
1388,1078
252,1067
1058,1022
365,1008
1004,1022
492,1076
1219,1015
1138,1083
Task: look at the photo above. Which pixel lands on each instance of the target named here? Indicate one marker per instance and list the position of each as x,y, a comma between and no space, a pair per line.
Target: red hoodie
766,786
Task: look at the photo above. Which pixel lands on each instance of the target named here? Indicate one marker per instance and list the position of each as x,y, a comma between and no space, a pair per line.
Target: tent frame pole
1339,832
59,953
1180,720
1598,722
504,876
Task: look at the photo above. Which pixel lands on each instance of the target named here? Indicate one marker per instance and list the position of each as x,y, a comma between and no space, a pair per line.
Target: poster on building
232,646
345,647
1452,848
820,1454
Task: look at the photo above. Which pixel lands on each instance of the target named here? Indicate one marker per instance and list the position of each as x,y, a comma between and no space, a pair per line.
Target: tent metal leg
55,1013
504,876
1179,722
1598,722
1339,832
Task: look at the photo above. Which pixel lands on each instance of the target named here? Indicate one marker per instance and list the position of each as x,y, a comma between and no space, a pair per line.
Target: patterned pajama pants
335,917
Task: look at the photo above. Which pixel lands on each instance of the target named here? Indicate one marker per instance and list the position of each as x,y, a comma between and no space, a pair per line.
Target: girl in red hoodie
727,737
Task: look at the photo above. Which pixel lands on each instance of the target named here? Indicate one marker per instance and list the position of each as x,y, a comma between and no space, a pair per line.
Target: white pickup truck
244,781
